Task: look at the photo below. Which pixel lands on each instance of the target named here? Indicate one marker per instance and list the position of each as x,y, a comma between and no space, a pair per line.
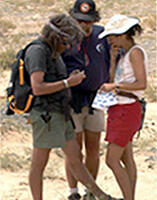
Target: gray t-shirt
38,58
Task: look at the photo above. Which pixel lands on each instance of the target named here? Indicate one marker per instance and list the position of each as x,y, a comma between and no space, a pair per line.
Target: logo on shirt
100,48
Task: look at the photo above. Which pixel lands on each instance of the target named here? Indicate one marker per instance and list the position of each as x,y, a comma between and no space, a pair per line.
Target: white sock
73,190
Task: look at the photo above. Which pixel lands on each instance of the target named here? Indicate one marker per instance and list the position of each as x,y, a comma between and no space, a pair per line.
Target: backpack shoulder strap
37,41
21,53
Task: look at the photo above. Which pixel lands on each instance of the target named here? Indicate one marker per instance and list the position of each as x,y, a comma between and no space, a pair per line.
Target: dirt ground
16,146
20,22
14,184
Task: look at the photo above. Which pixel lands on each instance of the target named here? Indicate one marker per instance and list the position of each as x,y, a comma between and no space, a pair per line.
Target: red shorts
123,122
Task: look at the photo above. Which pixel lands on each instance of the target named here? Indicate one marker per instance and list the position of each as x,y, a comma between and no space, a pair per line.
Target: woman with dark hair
50,116
124,118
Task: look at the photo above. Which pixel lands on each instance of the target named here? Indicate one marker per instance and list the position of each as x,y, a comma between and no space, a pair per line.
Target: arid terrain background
20,22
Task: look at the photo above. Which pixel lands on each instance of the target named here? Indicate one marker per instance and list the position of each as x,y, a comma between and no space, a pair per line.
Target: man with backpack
50,115
92,56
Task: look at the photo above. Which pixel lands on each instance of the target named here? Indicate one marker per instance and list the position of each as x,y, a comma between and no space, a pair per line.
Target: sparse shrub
17,38
50,2
6,25
12,161
17,123
60,6
151,91
150,21
6,58
144,141
16,5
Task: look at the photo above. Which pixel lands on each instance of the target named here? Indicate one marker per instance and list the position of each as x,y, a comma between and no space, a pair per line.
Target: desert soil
20,22
16,146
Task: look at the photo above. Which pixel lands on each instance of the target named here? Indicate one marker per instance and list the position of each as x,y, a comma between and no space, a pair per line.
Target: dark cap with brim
84,10
84,17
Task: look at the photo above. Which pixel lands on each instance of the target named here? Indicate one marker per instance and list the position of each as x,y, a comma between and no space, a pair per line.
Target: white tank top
125,73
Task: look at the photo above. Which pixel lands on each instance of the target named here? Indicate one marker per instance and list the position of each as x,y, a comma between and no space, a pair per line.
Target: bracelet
66,83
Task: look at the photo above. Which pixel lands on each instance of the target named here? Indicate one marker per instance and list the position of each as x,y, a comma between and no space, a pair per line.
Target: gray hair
59,26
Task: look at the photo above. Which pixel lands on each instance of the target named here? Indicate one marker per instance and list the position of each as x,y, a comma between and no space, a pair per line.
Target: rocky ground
16,147
16,155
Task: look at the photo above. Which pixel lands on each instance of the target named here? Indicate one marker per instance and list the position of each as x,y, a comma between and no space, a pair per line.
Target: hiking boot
74,196
89,196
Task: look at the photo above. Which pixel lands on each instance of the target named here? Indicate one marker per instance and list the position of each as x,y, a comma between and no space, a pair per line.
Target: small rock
150,166
153,149
151,158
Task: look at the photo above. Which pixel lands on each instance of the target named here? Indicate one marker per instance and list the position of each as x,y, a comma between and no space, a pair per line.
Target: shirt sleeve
35,59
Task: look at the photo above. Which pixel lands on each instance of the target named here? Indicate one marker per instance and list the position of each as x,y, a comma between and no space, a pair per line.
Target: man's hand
76,78
76,71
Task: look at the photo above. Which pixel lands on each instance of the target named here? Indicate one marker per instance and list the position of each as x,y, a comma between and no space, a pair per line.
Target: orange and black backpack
19,93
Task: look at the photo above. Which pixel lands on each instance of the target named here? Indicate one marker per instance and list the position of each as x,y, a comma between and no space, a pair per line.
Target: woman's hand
107,87
114,52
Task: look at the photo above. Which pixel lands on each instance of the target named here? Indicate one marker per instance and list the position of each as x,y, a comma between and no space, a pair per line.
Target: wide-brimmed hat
84,10
119,24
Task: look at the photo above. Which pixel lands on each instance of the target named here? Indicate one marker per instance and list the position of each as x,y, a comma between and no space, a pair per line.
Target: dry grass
13,162
149,21
13,123
6,25
151,92
27,18
21,21
7,58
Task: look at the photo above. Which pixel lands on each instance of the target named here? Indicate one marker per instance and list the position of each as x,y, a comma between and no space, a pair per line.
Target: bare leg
39,161
92,144
72,182
114,154
130,165
79,171
92,155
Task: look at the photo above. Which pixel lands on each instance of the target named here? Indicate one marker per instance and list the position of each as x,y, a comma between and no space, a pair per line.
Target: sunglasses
83,21
70,42
65,43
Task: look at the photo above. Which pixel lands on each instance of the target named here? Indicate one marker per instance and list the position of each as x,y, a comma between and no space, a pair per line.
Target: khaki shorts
91,122
53,134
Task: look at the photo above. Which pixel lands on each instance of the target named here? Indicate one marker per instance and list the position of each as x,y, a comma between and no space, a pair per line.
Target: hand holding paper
104,99
107,87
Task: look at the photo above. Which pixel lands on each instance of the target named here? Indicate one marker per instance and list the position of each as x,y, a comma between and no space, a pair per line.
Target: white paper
104,100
